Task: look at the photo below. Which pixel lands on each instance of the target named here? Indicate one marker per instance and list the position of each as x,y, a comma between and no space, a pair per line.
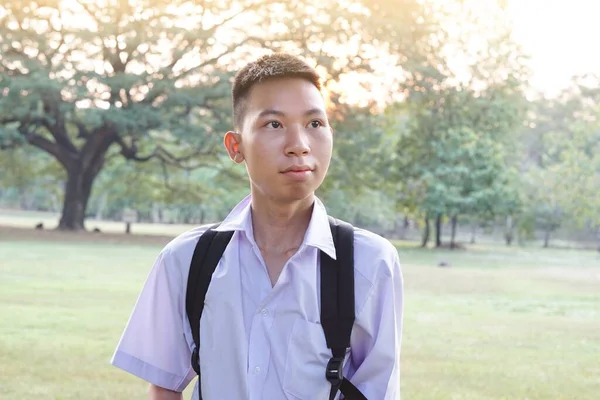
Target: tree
561,168
468,93
35,177
454,157
363,145
578,161
581,178
468,179
151,78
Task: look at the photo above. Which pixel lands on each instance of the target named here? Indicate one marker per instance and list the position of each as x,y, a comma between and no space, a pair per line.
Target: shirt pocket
306,361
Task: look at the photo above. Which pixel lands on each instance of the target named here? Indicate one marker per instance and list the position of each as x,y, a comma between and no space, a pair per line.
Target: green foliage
36,179
561,177
368,209
152,79
363,147
129,82
467,177
453,161
163,193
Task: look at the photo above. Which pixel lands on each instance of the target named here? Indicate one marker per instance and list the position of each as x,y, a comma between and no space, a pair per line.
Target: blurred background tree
439,136
150,79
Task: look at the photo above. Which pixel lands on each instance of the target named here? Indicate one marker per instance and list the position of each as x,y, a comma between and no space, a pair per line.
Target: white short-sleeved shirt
259,342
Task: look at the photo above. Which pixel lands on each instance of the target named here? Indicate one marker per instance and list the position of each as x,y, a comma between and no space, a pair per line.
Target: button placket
258,355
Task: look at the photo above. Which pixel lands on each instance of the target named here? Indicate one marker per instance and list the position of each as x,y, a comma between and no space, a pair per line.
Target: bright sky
562,37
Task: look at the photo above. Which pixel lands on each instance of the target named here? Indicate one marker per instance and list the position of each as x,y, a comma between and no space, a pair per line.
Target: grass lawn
498,324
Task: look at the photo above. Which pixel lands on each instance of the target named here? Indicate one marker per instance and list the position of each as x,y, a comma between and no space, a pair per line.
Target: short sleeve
154,345
377,337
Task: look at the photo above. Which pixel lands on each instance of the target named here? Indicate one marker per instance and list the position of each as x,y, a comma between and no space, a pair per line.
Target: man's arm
377,336
158,393
154,345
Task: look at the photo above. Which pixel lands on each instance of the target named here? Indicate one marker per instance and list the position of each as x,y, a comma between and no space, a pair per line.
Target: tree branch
130,152
93,151
58,129
89,11
82,131
215,59
171,159
42,143
188,45
6,121
165,174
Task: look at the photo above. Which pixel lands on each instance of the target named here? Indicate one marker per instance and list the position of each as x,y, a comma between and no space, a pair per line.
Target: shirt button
264,312
257,370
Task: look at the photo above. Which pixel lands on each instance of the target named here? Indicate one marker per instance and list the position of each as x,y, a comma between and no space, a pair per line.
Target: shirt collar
318,233
238,219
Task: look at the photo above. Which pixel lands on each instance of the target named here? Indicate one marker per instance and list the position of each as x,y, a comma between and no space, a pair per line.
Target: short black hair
278,65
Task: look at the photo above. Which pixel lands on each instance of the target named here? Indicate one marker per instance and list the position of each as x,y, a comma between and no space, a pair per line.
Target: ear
233,144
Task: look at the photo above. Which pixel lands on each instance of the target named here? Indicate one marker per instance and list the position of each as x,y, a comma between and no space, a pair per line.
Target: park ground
498,323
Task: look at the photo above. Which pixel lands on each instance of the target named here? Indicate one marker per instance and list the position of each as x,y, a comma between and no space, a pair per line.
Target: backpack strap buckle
334,372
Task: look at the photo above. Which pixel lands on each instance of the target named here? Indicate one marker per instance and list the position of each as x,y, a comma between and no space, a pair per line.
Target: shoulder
176,256
375,257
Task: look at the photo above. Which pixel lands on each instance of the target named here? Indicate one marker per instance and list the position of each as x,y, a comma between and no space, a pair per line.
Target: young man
260,329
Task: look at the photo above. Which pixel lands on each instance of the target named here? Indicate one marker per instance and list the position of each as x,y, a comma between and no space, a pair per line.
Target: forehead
287,95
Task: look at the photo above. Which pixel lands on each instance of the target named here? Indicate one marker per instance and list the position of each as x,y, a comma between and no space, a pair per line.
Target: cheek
259,153
323,146
251,148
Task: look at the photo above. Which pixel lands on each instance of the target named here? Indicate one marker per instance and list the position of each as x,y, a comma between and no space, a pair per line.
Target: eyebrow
271,111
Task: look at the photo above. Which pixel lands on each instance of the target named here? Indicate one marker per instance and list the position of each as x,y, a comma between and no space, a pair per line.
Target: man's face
286,140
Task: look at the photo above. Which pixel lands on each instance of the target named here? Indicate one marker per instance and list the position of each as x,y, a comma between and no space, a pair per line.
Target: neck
280,227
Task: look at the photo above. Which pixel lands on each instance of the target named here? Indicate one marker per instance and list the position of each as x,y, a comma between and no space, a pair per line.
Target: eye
273,124
316,124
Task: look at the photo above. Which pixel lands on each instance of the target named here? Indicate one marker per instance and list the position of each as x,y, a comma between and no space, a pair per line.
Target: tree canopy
146,79
117,104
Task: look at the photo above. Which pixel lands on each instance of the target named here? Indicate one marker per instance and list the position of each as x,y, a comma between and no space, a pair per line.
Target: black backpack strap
337,306
208,252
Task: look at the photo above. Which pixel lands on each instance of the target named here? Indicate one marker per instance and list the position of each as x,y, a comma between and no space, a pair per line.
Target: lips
298,173
297,168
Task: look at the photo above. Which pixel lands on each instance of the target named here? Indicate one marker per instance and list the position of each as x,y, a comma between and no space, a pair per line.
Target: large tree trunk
438,230
77,195
426,233
81,173
453,235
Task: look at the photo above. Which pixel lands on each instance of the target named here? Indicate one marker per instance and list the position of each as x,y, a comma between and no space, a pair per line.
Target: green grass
498,324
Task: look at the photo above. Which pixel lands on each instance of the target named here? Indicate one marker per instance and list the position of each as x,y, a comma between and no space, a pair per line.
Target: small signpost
129,216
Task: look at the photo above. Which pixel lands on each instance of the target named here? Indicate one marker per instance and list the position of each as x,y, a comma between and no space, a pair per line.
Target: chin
292,194
284,191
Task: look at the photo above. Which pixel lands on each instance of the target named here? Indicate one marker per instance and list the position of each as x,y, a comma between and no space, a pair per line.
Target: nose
297,143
